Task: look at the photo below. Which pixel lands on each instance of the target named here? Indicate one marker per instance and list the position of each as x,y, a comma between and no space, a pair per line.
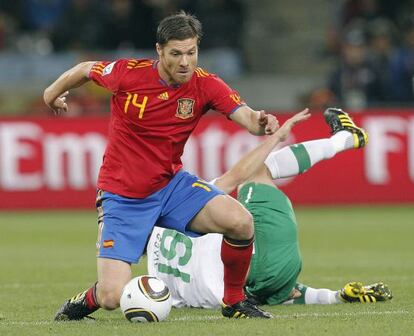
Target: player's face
178,59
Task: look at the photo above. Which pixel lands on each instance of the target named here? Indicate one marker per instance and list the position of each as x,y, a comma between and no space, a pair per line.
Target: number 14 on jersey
132,99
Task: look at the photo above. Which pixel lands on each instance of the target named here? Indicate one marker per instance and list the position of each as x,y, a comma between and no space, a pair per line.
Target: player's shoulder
139,63
202,73
207,79
204,76
134,64
121,64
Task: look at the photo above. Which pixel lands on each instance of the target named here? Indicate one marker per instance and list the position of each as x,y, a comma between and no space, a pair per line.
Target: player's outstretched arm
55,94
250,163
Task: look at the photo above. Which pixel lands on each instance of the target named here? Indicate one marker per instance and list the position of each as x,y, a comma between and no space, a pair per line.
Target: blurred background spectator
79,26
366,38
278,54
362,77
402,67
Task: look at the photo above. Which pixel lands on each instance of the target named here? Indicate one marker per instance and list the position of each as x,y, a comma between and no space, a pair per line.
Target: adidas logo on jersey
163,96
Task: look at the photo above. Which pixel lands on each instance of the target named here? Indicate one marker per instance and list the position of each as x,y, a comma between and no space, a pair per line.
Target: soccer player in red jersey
154,108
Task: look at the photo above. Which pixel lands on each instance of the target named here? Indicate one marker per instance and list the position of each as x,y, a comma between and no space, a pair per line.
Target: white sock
342,140
321,296
298,158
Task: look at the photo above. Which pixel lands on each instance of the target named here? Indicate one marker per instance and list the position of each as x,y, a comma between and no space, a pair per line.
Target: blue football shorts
126,223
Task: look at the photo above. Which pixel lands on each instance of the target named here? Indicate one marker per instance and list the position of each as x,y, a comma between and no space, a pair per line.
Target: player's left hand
269,122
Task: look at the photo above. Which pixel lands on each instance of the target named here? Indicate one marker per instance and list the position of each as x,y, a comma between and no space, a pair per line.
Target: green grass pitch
47,257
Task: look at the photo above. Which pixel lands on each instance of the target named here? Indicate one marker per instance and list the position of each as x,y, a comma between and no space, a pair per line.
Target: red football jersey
151,122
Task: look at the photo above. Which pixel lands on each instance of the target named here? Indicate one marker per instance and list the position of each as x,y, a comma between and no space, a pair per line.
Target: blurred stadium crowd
62,25
369,45
374,44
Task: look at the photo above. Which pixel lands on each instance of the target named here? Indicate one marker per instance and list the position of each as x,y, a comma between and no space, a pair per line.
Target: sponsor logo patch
108,69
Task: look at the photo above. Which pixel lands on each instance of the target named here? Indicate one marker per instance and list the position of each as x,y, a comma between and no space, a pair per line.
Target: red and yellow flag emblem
108,243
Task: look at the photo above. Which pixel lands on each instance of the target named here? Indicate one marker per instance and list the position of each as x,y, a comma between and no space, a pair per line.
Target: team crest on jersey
185,108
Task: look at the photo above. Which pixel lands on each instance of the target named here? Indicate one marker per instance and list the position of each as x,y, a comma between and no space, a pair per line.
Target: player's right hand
284,130
59,104
269,122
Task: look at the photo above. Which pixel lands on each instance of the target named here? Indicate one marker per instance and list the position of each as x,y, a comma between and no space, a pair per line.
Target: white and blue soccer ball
146,299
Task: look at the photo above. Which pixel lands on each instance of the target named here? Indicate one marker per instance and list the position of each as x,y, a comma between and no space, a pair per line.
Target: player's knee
241,227
108,298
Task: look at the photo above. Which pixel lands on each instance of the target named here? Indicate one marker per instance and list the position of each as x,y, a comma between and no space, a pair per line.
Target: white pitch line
300,315
21,323
39,323
18,285
335,314
219,317
389,278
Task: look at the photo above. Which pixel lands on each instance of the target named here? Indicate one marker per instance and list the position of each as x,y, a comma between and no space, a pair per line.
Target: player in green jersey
276,262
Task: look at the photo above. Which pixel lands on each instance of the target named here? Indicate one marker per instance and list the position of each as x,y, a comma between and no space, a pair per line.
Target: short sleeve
222,98
109,74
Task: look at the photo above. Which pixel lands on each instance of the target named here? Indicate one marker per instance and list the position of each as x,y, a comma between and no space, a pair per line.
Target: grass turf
47,257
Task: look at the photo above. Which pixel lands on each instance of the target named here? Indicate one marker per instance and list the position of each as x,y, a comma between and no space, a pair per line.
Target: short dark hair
179,26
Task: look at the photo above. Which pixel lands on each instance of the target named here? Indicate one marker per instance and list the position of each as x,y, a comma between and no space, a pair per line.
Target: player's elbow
84,68
46,96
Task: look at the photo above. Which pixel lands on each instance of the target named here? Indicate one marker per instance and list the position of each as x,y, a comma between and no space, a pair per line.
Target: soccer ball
146,299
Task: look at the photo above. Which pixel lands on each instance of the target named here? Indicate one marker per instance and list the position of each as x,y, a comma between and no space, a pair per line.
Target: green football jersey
276,262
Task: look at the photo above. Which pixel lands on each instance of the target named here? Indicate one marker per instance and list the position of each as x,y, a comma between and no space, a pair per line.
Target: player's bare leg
225,215
112,277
